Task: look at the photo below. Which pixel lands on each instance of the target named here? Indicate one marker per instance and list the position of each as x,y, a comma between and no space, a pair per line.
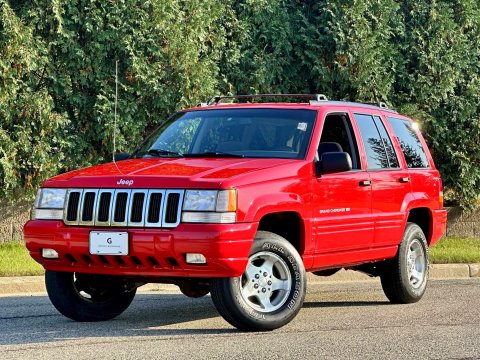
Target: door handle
405,179
365,183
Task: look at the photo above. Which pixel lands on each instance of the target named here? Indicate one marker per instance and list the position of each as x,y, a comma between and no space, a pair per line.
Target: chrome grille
123,207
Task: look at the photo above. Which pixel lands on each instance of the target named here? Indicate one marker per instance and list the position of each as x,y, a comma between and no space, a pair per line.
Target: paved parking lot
339,320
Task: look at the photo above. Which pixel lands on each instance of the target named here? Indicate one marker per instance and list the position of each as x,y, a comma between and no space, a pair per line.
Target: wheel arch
287,224
422,216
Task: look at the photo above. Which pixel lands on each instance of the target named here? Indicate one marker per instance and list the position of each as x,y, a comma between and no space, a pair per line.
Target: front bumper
152,252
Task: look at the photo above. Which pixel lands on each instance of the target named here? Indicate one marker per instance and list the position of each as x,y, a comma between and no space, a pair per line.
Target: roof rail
217,99
380,104
383,105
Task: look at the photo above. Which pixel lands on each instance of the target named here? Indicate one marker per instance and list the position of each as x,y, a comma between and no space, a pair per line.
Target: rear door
390,182
421,170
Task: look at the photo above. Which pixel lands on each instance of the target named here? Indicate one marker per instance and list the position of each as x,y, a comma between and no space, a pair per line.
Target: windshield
265,133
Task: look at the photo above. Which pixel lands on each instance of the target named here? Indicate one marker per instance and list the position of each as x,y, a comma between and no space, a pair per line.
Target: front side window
337,135
409,142
270,133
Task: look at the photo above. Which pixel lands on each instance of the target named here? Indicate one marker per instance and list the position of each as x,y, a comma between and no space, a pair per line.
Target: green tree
365,34
440,86
31,136
58,63
167,53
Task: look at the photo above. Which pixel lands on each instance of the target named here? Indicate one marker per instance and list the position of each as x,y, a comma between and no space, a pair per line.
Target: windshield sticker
302,126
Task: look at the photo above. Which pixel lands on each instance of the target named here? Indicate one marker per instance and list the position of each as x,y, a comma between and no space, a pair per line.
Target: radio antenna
115,118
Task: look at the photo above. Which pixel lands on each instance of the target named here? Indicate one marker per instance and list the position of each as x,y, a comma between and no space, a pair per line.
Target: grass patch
16,261
452,250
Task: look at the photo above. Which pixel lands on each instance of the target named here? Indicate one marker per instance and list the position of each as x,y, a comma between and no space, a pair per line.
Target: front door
342,211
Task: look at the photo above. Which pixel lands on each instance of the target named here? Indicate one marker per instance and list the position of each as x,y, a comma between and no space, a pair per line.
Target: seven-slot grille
122,207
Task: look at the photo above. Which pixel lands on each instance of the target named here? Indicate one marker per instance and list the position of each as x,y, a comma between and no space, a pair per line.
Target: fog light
49,254
195,259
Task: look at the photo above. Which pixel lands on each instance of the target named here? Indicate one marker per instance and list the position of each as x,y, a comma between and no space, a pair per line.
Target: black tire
250,302
404,278
82,297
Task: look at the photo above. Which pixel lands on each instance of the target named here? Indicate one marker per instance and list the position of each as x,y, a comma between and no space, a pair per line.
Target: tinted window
387,143
410,143
374,149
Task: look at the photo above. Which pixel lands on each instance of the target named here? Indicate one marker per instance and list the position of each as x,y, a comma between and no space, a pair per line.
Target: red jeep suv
240,200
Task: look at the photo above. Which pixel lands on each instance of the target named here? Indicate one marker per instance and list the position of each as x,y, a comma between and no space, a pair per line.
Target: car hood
163,173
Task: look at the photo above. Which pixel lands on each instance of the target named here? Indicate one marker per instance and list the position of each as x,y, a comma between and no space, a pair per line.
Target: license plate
108,243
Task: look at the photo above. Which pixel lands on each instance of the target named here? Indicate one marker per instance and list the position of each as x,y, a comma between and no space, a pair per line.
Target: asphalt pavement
341,320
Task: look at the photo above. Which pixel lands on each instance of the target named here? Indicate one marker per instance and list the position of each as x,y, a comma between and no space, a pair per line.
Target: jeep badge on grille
125,182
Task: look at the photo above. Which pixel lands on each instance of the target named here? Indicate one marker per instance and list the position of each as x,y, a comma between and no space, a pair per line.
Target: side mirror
121,156
334,162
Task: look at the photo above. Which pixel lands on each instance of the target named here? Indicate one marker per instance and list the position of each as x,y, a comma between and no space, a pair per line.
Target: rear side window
377,144
409,142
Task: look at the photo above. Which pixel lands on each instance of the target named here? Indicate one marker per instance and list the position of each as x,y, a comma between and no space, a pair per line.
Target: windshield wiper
214,154
162,152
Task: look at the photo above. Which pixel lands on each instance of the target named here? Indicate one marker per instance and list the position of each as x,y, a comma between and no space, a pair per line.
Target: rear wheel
404,278
270,292
83,297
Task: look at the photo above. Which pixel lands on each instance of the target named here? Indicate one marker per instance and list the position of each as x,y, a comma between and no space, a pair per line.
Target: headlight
49,204
200,200
210,206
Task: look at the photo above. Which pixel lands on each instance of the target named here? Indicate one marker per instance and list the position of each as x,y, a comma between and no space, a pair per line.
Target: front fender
274,203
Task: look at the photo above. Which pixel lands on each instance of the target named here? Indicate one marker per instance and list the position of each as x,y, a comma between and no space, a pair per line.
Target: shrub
57,75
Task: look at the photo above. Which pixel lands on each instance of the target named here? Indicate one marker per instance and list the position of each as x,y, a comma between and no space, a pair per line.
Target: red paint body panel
350,258
342,223
389,195
343,212
439,224
205,173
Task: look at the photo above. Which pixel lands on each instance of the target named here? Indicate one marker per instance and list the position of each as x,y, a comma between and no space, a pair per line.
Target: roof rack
316,97
380,104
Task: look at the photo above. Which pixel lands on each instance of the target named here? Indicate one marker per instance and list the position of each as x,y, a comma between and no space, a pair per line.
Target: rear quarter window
410,143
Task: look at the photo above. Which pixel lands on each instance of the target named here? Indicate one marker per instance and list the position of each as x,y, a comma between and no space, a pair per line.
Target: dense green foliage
31,132
58,59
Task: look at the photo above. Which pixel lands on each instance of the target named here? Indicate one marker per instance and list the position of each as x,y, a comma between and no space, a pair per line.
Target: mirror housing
121,156
334,162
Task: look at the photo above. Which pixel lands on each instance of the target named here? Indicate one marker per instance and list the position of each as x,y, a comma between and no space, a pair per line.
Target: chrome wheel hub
416,264
266,282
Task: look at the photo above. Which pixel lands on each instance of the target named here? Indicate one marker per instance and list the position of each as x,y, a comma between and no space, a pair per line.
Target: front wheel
404,278
83,297
270,292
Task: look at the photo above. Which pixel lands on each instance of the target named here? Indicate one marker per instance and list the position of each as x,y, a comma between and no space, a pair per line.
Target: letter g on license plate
108,243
